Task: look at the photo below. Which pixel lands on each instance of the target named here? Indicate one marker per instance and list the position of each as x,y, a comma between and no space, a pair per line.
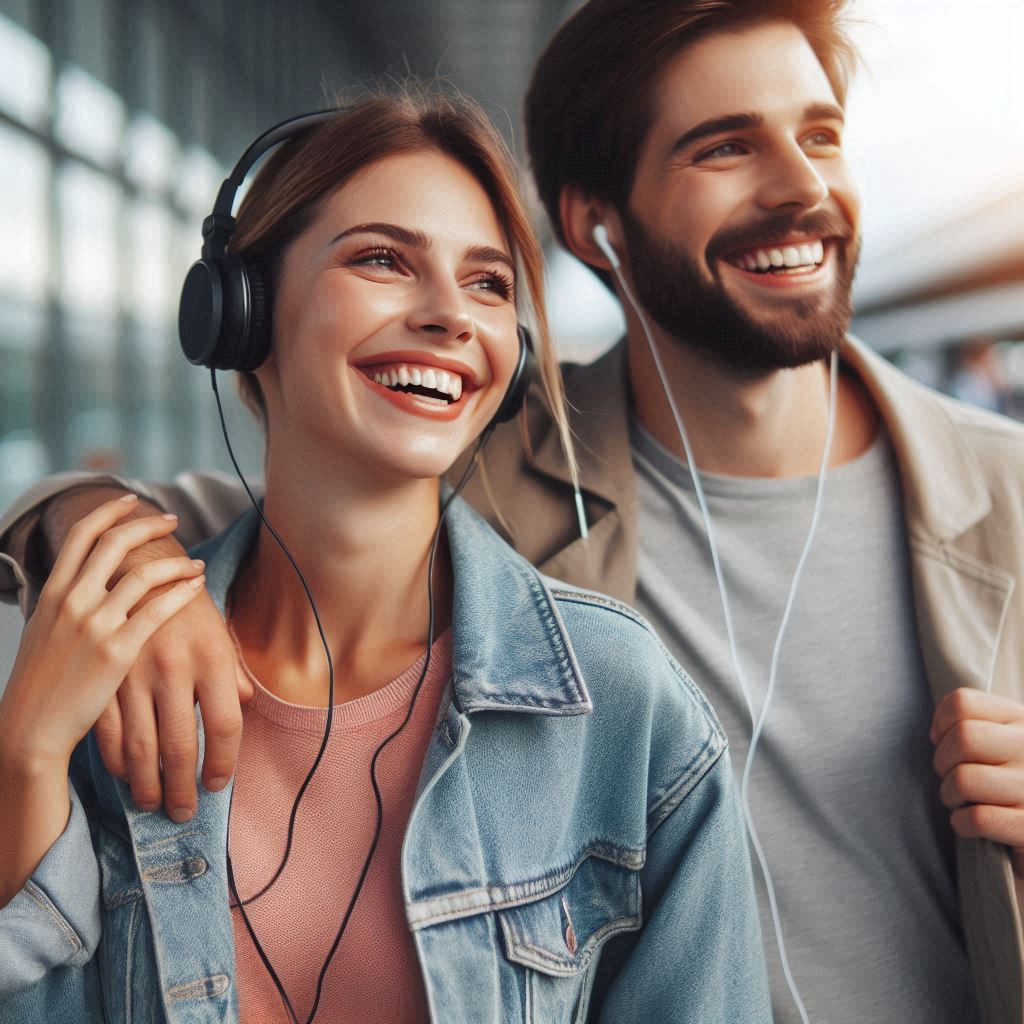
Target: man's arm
190,658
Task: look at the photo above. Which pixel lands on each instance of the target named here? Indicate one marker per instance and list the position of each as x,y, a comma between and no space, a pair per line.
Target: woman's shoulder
624,660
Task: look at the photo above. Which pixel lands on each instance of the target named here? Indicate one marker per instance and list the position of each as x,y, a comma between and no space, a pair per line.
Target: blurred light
24,187
586,318
153,296
25,82
90,117
150,153
88,203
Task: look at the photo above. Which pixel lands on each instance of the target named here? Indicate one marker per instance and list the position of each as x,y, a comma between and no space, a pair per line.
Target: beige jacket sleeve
204,502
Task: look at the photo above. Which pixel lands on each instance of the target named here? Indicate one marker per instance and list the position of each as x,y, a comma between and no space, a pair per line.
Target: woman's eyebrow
399,234
488,254
477,253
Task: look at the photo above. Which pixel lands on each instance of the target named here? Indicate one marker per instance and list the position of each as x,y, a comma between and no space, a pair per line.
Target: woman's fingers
81,539
137,583
110,551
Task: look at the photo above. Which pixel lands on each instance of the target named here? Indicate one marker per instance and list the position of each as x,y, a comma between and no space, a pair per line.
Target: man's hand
979,756
149,728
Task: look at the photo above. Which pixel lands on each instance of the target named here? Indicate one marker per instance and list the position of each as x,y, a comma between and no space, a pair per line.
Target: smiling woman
496,798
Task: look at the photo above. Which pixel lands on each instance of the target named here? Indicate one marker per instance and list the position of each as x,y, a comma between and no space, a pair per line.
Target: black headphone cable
240,903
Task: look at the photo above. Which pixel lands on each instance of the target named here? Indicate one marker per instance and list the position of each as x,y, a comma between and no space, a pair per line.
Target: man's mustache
771,231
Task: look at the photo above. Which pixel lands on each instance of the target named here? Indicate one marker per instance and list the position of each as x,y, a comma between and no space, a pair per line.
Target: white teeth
437,380
806,254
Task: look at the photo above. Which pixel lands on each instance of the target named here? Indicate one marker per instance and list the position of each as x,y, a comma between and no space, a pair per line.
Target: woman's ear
580,215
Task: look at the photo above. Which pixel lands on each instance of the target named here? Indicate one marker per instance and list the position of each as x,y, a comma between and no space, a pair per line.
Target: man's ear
580,214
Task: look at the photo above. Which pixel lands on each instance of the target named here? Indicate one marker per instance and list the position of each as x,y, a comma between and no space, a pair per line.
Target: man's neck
772,425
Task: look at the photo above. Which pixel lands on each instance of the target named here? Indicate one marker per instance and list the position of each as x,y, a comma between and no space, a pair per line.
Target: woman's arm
191,659
74,652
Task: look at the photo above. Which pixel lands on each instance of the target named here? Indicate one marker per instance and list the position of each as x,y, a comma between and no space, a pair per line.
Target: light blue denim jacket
575,851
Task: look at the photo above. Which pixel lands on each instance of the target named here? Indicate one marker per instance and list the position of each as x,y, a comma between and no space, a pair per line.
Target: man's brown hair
591,99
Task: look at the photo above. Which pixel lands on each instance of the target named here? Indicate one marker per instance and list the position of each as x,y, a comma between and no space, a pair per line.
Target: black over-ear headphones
224,314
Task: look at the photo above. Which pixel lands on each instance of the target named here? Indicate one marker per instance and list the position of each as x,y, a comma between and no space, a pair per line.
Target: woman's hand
74,652
83,637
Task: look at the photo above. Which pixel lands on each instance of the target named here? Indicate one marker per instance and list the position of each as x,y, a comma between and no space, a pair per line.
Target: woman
531,820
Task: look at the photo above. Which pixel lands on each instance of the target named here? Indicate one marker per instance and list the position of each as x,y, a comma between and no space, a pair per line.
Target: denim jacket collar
511,651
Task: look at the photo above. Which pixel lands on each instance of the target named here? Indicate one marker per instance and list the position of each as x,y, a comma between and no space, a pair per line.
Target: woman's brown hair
284,197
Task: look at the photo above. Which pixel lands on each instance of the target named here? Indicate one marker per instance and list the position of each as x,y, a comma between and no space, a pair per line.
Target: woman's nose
441,310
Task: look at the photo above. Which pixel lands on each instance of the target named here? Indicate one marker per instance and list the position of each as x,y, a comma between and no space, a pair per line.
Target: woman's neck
363,547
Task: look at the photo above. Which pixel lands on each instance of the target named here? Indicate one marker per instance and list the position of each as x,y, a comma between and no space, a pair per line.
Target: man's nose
792,179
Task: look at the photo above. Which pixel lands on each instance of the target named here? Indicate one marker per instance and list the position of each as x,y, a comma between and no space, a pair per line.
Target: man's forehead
765,69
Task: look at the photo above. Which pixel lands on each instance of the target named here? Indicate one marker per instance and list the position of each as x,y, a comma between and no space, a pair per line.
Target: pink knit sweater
374,977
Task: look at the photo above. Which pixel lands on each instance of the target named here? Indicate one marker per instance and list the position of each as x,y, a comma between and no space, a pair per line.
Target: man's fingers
979,742
179,751
983,784
109,733
983,821
222,727
154,613
966,703
141,748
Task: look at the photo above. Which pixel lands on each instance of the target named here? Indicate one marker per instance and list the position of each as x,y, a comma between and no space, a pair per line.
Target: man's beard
788,331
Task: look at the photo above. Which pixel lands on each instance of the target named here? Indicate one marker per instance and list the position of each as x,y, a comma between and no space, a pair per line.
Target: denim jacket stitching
675,794
44,903
572,965
500,897
556,631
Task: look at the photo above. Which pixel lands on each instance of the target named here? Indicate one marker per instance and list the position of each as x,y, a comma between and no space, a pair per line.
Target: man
707,138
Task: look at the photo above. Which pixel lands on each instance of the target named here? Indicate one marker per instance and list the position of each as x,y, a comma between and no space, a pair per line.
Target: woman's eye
376,258
496,283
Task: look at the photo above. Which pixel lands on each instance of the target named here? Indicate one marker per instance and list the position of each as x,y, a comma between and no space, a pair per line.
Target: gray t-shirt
842,789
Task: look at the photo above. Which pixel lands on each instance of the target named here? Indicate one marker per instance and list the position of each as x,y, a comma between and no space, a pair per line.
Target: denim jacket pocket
559,937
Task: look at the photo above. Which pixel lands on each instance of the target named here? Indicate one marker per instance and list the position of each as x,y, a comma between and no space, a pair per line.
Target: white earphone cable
757,720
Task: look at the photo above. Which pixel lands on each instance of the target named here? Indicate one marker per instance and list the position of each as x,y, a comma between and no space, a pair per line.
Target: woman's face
394,322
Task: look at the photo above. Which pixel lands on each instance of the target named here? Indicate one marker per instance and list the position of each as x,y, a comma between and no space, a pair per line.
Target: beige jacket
963,481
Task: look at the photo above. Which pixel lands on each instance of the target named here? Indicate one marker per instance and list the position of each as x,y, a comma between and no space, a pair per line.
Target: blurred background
119,118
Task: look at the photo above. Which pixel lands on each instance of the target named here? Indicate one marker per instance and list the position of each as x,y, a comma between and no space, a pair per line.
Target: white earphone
600,236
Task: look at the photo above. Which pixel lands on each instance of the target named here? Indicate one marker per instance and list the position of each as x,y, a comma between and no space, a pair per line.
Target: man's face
741,227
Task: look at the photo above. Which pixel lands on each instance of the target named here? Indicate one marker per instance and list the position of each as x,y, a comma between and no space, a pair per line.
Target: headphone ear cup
257,343
201,312
515,393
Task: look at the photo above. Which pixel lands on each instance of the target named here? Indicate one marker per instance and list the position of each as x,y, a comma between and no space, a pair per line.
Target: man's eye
722,151
822,139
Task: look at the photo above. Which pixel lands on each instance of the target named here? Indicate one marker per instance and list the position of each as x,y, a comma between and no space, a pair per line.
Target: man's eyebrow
715,126
399,234
744,122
